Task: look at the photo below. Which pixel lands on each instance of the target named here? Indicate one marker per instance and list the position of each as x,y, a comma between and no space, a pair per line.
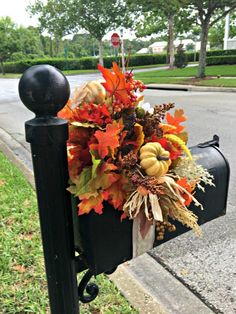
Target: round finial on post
44,90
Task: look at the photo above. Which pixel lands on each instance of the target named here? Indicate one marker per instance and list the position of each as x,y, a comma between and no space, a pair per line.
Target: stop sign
115,40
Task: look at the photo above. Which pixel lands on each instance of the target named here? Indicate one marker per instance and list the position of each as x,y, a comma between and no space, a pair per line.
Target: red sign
115,40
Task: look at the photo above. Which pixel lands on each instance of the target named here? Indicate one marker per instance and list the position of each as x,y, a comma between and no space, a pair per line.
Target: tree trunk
57,45
51,48
168,51
171,40
100,45
2,67
202,54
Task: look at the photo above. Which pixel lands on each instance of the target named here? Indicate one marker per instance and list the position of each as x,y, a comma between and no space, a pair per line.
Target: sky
16,9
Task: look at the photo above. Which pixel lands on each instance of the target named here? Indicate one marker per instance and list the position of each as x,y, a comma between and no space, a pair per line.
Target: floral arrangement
135,157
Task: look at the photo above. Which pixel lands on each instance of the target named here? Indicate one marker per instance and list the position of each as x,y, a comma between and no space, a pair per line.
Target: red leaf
171,148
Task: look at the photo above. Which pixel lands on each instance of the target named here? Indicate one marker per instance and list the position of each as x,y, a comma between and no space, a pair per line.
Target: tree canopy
69,16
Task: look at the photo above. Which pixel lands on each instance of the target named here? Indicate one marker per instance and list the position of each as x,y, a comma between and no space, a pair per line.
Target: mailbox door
214,199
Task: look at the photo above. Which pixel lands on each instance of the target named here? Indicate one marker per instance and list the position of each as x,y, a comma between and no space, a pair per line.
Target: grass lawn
223,70
163,80
221,82
10,75
23,286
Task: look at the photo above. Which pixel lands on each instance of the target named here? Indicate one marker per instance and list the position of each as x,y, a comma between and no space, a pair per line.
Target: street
206,265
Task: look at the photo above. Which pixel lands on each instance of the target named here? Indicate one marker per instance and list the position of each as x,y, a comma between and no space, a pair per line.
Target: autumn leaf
78,158
183,182
138,130
105,176
19,268
115,83
173,149
116,194
108,141
66,112
2,182
79,135
175,120
87,204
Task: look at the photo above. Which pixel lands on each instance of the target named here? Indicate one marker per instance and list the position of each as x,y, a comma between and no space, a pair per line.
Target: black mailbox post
44,90
102,241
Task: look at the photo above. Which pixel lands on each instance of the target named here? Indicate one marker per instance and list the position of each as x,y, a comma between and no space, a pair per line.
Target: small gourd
155,160
96,93
91,92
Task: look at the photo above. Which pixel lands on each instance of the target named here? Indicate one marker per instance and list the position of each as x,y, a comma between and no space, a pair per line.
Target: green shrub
83,63
212,53
60,63
217,60
192,56
181,60
91,62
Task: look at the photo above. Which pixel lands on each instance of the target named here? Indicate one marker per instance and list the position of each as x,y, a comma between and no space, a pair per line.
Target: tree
216,32
53,18
8,44
97,17
159,16
208,13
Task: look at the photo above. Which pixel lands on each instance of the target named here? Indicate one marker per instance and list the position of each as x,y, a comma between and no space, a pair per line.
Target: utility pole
226,37
122,50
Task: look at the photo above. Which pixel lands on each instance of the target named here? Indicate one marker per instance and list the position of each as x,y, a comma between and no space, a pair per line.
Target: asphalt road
207,265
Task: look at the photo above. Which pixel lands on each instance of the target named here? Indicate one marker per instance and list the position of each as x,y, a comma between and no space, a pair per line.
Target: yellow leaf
175,139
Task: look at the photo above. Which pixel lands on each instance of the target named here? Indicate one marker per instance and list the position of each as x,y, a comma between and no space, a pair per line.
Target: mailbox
104,241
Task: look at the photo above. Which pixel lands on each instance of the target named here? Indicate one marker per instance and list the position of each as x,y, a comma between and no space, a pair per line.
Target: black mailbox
104,241
214,199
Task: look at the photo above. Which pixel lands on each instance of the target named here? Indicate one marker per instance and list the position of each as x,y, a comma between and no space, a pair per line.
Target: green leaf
96,163
83,185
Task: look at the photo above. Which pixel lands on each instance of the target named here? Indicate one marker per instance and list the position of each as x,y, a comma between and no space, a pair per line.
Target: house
160,46
143,51
231,43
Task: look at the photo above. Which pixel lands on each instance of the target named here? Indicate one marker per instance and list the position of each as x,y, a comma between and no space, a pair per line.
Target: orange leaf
188,187
115,83
175,120
66,112
117,193
94,202
108,141
2,182
105,176
19,268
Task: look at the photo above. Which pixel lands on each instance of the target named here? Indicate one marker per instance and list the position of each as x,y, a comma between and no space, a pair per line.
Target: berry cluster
161,227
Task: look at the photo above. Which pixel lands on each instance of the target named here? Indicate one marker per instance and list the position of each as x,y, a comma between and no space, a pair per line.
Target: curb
191,88
153,290
147,285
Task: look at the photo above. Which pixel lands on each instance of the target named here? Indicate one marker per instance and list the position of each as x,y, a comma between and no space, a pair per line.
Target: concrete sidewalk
146,283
